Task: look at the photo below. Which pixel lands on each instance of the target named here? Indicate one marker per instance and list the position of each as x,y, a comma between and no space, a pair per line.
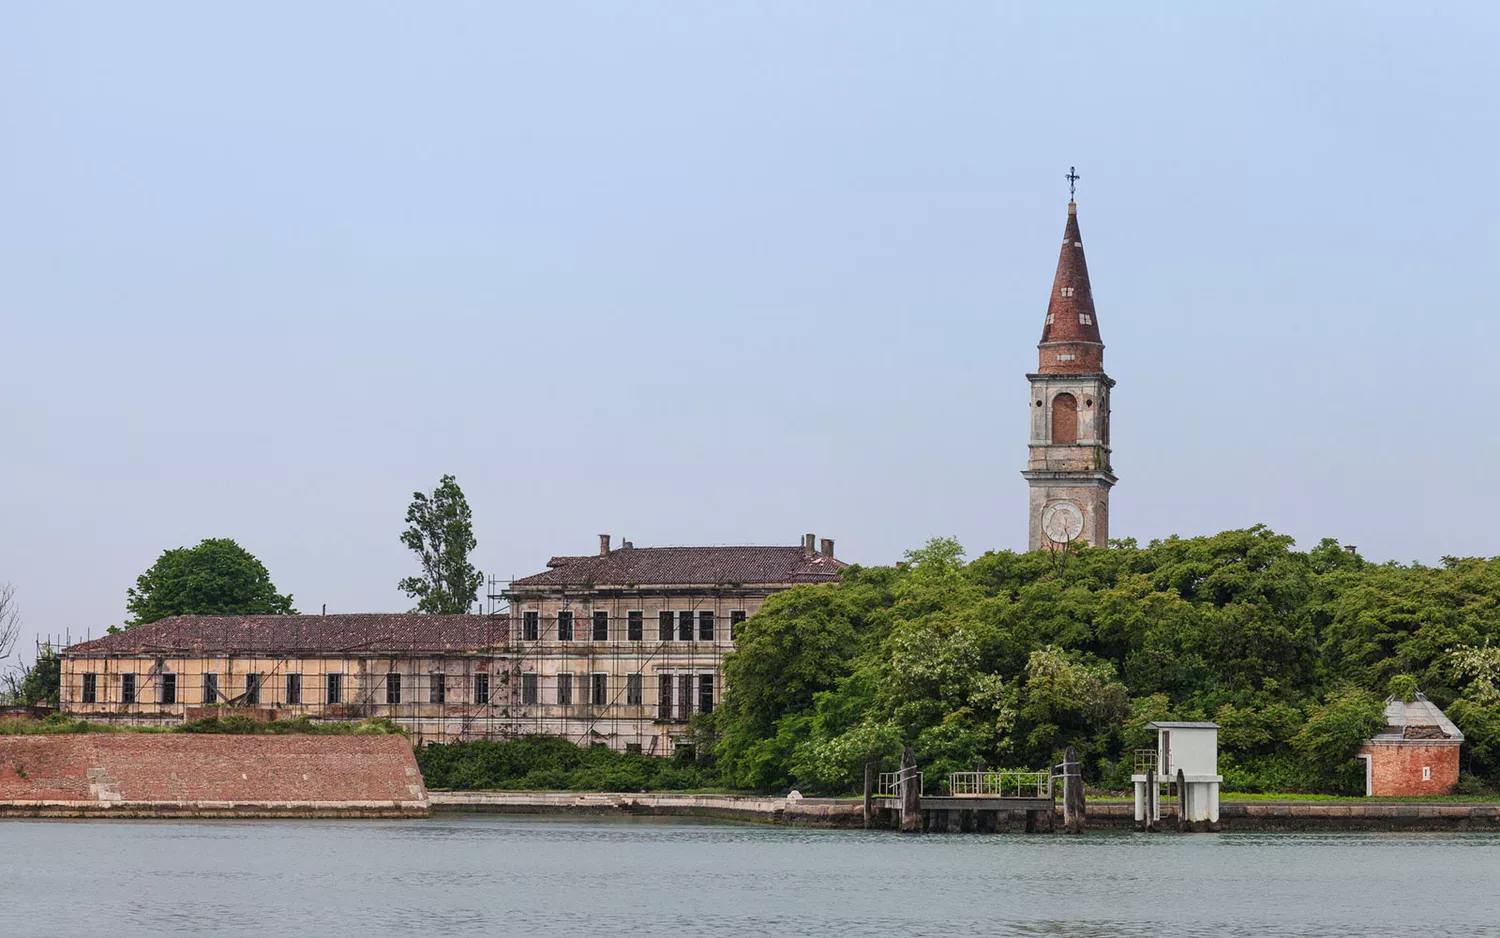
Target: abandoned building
621,648
1416,753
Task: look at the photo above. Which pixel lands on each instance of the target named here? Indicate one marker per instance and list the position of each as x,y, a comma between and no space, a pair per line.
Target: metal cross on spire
1072,177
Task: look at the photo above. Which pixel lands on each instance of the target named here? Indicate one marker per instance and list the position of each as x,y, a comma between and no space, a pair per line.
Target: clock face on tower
1062,522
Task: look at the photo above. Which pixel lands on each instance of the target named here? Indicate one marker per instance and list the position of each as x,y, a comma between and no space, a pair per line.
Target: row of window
681,626
596,691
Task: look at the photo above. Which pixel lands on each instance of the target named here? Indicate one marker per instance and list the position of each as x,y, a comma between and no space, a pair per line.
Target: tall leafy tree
216,578
442,535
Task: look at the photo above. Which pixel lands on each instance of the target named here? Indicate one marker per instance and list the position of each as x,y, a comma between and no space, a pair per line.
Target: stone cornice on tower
1071,343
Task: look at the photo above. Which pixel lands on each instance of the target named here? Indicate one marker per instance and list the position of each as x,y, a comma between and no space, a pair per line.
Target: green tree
216,578
442,534
42,683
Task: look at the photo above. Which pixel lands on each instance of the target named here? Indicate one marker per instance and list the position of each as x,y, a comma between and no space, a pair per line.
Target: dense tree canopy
1006,660
216,578
442,535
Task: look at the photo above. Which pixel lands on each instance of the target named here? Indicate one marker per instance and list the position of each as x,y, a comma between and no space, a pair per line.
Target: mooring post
1075,811
869,791
1183,822
1151,795
911,792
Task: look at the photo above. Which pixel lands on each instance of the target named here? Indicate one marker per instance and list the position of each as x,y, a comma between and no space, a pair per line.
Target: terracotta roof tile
687,566
1070,312
362,633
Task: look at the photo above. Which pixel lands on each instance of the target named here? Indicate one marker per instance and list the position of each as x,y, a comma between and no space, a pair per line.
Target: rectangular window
294,688
252,690
635,626
482,689
664,626
735,618
684,696
633,694
529,688
565,626
531,629
90,687
664,697
684,626
705,626
437,691
705,693
565,688
335,684
393,687
1085,319
210,688
127,688
599,691
601,626
169,688
1426,773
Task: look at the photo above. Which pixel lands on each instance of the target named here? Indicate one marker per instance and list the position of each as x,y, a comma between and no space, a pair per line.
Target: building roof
1164,725
403,633
1420,719
1070,312
687,566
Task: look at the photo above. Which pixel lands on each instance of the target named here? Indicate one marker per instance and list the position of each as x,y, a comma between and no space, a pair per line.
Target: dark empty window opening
705,626
334,683
565,626
565,688
294,688
664,697
530,688
169,688
601,626
530,626
127,688
664,626
635,626
393,687
735,618
482,688
705,693
252,690
437,691
90,688
1065,419
599,690
633,694
210,688
632,747
684,626
684,696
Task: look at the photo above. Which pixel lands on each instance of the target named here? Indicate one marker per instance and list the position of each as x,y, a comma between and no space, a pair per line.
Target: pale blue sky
726,273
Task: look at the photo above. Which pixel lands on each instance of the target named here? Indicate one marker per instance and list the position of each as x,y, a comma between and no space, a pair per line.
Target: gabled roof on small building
1166,725
365,633
1420,719
687,566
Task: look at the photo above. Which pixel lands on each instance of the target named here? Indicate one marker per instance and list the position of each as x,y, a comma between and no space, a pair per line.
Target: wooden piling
1183,824
1075,811
1151,796
911,793
869,792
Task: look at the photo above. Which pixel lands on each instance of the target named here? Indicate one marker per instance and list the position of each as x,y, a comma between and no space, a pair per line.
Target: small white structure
1192,748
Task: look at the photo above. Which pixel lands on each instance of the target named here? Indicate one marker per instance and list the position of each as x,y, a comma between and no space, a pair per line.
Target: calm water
489,875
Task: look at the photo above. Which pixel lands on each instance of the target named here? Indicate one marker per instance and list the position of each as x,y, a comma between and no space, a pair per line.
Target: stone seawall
192,775
1102,815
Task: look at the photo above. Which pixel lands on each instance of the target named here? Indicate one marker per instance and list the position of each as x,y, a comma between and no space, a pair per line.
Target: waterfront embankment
1102,815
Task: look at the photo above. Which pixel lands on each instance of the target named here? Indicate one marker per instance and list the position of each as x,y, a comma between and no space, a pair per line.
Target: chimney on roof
827,547
604,545
808,540
626,545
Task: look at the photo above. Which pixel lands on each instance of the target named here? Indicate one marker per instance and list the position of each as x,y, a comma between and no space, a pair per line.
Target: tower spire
1071,343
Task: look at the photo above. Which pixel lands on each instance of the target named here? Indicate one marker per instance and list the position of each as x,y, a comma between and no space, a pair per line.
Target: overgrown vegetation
541,763
1006,660
216,578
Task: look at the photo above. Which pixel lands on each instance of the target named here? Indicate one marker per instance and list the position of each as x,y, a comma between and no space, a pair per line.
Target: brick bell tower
1069,469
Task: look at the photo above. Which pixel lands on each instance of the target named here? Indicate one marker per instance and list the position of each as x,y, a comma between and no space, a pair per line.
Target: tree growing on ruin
216,578
442,535
10,620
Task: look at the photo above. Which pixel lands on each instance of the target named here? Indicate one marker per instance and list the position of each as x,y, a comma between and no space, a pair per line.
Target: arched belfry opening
1065,419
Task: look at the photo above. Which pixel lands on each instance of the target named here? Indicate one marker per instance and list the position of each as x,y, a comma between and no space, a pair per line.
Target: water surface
499,875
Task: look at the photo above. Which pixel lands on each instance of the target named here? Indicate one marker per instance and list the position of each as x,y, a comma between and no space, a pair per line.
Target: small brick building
1417,754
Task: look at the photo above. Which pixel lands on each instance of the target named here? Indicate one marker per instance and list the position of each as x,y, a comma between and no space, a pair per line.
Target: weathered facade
1416,754
1069,470
619,648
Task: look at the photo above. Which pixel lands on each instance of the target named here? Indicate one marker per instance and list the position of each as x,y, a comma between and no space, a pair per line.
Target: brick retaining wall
202,775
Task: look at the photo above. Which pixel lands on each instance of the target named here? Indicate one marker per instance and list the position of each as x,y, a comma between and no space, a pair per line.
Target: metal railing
1146,759
1014,783
893,784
